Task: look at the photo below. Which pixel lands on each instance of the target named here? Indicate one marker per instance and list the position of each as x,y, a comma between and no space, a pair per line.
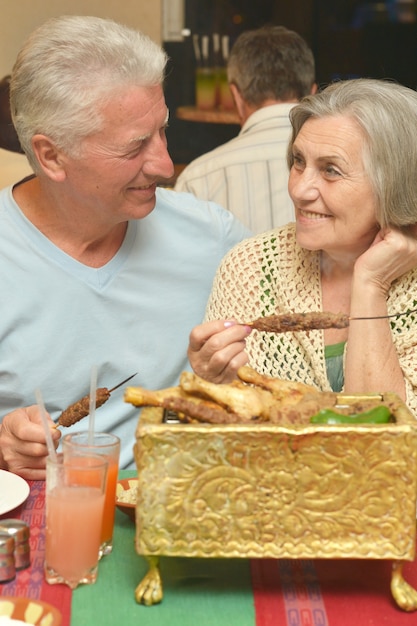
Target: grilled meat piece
286,391
246,400
75,412
292,322
196,409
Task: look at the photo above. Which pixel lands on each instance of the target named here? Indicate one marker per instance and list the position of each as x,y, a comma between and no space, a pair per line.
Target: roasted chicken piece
245,400
185,405
138,396
284,391
253,397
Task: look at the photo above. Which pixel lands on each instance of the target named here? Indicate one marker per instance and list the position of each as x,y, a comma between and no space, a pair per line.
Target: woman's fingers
217,349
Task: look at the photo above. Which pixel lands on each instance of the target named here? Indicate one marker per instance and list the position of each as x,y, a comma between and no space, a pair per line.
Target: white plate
13,491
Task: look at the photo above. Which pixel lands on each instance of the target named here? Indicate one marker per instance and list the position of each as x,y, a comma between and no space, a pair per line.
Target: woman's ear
49,157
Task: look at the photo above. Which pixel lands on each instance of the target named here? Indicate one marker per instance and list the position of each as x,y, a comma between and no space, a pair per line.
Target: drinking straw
48,436
93,393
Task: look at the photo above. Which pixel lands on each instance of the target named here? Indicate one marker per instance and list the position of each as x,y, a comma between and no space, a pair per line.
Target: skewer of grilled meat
300,321
293,322
75,412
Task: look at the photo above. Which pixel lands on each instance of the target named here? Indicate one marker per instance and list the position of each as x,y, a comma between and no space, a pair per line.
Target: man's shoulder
172,202
187,212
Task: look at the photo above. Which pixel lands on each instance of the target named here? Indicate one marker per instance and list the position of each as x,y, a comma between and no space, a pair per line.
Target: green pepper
377,415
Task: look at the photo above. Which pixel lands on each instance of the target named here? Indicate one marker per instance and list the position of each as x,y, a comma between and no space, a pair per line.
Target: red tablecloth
328,593
30,582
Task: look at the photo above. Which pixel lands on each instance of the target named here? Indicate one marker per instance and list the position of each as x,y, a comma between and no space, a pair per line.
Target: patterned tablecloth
214,592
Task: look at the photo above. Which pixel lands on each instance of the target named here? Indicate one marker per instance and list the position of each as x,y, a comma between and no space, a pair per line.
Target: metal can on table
7,562
19,530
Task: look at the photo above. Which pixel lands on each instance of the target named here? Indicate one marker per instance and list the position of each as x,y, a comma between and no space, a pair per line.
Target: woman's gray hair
387,114
68,69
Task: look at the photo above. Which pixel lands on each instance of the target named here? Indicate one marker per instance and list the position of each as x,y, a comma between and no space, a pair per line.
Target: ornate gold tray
269,491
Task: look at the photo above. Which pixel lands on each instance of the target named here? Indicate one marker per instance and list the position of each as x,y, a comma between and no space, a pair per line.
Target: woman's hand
372,362
23,448
217,350
392,254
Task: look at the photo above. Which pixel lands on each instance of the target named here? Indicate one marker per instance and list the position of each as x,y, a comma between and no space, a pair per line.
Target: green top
334,365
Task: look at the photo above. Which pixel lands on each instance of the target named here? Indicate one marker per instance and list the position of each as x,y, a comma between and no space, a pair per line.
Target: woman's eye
297,161
332,171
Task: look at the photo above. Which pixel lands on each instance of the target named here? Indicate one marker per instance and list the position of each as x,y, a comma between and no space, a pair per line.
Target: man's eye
133,153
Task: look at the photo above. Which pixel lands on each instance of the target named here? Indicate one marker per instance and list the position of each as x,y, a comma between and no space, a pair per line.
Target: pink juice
73,525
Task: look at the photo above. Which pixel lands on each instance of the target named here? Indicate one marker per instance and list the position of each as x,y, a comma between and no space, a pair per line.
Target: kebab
293,322
76,411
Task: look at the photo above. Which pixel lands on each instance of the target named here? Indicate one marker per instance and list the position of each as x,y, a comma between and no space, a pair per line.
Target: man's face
115,177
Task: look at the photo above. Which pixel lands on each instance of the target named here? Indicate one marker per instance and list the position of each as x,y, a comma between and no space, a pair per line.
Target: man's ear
239,103
49,157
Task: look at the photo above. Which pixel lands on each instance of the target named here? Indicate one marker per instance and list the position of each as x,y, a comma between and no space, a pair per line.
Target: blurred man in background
269,70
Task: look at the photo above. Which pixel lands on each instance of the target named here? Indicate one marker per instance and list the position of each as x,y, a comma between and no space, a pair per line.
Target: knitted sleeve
402,297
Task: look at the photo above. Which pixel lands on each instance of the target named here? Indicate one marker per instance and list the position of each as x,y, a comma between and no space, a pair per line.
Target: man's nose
158,161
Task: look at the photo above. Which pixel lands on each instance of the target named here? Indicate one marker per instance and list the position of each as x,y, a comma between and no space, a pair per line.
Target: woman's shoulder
271,240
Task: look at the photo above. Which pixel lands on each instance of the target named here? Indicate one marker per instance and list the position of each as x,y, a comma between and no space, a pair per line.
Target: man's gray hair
271,62
66,72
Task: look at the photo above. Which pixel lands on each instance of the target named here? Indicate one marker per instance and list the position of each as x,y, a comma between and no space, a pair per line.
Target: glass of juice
107,445
74,511
226,101
206,88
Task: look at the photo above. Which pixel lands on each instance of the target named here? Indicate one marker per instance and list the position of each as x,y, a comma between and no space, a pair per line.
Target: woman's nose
303,185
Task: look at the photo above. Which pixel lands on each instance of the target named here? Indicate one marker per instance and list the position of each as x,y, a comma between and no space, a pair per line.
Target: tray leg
404,595
149,590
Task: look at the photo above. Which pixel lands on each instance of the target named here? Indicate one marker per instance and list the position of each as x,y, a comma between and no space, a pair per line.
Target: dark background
348,38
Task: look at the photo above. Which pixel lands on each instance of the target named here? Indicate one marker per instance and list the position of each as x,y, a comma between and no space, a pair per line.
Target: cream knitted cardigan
270,273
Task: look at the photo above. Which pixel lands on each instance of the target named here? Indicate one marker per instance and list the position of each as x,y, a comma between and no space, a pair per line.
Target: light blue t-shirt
59,317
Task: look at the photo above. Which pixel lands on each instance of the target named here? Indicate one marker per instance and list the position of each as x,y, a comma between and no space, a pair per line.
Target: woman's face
335,205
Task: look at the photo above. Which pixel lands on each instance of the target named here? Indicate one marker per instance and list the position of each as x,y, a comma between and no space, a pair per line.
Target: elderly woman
352,249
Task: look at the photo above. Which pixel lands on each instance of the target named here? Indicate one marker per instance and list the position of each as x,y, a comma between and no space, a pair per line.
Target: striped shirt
248,175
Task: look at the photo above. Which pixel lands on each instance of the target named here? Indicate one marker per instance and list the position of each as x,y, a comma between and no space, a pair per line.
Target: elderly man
269,70
100,266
